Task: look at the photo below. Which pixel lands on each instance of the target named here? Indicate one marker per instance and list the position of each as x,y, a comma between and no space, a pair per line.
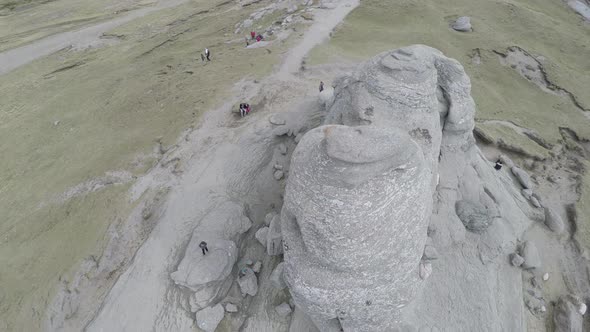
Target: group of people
244,109
254,36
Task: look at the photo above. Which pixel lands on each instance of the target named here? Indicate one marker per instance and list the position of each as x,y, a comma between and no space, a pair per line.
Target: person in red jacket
253,35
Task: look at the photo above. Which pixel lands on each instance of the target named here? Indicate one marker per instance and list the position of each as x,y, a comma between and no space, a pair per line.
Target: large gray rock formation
394,157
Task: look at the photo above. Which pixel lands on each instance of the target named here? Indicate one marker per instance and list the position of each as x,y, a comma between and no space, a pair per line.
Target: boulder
462,24
523,178
529,252
274,238
261,235
283,310
248,282
268,218
473,215
425,270
566,316
230,307
278,175
554,221
257,267
209,318
276,277
516,259
277,119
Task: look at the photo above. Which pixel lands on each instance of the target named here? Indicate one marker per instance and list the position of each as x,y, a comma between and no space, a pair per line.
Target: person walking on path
207,54
203,246
321,86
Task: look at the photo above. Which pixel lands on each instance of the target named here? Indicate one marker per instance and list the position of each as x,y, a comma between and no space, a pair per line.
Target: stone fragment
261,235
257,267
278,175
516,259
523,178
554,221
283,310
462,24
425,270
276,277
277,119
277,166
545,276
530,254
209,318
248,282
283,149
230,307
268,218
474,215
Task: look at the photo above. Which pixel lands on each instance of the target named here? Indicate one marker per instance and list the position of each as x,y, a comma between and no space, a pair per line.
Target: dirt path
14,58
220,160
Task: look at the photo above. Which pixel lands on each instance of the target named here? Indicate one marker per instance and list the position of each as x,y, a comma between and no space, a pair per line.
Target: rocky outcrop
396,157
209,276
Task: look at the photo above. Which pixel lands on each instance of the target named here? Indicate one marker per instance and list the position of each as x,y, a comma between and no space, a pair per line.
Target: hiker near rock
253,35
321,86
259,38
203,246
207,54
498,165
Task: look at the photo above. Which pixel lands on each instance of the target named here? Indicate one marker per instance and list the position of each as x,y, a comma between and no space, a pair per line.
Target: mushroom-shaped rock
474,215
566,316
462,24
261,235
553,220
276,277
209,318
531,256
349,192
248,282
522,177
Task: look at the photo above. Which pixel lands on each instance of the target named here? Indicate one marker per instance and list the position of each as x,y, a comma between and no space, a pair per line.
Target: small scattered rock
283,149
474,215
462,24
276,277
554,221
268,218
535,282
545,276
516,259
527,193
261,235
535,305
56,123
278,175
257,267
535,202
531,255
430,253
292,9
248,282
298,138
230,307
425,270
209,318
283,310
278,167
277,119
582,308
522,177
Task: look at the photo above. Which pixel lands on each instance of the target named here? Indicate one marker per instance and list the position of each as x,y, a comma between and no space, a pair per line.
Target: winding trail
14,58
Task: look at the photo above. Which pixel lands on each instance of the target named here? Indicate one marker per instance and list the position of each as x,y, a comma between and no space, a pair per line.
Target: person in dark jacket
321,86
498,165
203,246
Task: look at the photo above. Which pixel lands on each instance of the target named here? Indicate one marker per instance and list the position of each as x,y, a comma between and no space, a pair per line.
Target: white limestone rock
522,177
209,318
261,235
277,278
462,24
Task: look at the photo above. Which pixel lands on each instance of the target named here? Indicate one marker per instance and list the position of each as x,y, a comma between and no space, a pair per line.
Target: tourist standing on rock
498,165
203,246
321,86
207,54
253,35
